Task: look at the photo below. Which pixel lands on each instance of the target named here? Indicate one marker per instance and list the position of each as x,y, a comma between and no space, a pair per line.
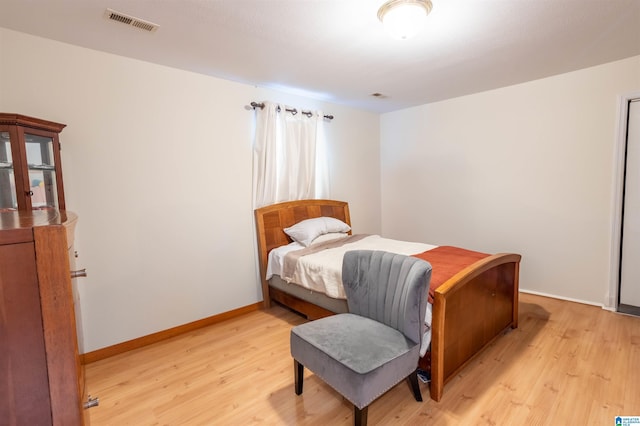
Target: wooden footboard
470,310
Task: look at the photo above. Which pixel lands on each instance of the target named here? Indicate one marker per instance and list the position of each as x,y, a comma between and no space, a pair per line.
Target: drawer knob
79,273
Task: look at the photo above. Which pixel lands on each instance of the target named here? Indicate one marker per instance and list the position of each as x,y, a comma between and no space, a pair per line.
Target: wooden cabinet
41,377
30,169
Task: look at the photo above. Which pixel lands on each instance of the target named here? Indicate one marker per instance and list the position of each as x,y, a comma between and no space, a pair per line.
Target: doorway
629,267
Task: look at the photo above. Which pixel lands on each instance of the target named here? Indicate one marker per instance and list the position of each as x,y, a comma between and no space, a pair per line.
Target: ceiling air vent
112,15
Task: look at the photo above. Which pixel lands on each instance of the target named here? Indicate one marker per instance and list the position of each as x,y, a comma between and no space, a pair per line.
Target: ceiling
337,51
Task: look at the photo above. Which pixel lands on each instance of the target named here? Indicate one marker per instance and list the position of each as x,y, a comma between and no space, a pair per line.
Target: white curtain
287,164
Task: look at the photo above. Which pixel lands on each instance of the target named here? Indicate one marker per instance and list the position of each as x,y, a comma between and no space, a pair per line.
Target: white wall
166,241
157,164
525,169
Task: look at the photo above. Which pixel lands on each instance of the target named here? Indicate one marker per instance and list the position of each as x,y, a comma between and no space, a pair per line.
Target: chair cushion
351,353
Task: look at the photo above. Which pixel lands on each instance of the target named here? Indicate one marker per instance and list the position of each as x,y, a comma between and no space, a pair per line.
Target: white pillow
329,237
308,230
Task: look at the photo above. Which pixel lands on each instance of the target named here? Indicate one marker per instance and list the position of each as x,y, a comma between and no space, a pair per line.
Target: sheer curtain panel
286,155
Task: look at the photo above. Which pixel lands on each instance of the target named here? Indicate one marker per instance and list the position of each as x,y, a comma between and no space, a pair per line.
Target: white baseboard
568,299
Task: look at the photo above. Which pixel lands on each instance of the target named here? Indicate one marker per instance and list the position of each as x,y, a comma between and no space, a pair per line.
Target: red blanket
446,261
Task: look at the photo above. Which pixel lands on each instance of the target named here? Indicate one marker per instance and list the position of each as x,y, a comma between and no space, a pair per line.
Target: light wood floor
567,363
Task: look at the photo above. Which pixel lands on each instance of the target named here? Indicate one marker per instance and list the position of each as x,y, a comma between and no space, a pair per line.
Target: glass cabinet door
42,171
30,170
8,199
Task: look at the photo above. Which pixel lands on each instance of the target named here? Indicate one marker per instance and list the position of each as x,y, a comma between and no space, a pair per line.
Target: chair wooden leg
413,381
360,416
298,373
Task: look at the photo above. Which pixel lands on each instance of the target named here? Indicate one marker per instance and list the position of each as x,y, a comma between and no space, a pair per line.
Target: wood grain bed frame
470,309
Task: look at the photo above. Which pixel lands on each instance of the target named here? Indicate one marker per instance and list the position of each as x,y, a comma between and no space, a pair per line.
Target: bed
470,309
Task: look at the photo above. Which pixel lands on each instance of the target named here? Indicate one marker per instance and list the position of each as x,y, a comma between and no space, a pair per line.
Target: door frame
619,159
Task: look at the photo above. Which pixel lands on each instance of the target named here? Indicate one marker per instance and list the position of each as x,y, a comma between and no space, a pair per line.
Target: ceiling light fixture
404,19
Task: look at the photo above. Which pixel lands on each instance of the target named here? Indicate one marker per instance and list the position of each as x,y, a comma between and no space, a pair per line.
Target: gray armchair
364,353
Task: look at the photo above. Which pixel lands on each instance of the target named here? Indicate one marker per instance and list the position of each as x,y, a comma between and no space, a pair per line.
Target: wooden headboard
271,220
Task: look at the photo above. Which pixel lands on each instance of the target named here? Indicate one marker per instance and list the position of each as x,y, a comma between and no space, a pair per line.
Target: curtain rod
293,111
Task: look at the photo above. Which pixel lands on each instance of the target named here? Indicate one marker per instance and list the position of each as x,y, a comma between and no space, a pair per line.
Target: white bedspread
322,271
